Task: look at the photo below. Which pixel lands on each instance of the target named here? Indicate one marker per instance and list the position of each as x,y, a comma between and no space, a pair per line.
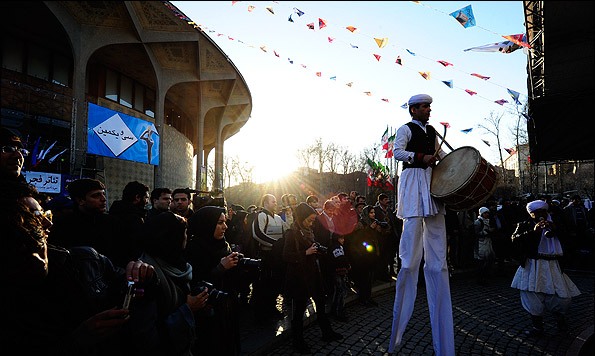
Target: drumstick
443,141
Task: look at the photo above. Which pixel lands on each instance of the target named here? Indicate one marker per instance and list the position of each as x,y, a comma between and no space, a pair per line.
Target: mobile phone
129,295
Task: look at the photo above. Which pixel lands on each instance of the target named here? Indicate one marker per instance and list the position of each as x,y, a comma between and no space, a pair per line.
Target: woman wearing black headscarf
214,262
164,240
304,278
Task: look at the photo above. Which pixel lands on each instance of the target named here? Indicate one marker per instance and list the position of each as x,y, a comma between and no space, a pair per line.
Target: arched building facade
140,59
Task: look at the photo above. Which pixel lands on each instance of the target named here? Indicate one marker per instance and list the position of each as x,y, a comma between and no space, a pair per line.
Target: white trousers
425,236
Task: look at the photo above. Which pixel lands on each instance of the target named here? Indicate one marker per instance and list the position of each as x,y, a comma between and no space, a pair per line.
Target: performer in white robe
542,284
424,231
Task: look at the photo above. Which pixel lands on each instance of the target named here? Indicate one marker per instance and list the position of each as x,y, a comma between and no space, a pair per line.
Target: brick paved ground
488,320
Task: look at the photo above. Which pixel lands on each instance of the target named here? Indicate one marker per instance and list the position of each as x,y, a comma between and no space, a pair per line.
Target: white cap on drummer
419,99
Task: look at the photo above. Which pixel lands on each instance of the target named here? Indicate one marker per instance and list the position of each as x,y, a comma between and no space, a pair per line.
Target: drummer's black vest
420,142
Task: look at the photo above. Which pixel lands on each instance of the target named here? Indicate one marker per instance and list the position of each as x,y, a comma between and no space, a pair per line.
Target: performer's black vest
421,141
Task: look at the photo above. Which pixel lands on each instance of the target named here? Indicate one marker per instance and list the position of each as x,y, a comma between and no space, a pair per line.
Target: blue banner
117,135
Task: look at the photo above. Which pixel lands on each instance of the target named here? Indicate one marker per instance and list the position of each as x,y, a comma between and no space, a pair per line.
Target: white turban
536,205
419,99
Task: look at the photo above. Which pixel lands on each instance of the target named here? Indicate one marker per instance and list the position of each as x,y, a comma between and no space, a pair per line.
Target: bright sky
292,106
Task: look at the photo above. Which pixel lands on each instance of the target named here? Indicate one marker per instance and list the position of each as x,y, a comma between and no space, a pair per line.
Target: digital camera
320,248
244,261
215,296
382,224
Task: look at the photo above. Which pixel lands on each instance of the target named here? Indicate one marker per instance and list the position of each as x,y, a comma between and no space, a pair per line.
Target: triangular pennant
330,39
486,142
480,76
411,53
321,23
298,11
399,61
467,130
290,19
464,16
377,56
353,46
310,25
445,124
319,74
448,83
445,63
381,42
251,8
405,105
514,95
519,39
501,102
351,28
426,75
270,9
470,92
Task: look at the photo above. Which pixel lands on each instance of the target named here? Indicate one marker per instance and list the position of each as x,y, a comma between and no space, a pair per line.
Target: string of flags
383,42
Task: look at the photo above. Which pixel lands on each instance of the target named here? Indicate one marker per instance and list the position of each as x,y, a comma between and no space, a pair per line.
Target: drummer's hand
430,159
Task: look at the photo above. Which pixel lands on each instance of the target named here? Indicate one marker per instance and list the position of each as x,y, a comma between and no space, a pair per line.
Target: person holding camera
170,313
542,284
216,264
304,278
61,301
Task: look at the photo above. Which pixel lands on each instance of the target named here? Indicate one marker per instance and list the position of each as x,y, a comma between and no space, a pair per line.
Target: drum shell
463,180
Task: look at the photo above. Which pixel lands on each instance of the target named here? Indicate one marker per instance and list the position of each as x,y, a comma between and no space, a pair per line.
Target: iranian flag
385,140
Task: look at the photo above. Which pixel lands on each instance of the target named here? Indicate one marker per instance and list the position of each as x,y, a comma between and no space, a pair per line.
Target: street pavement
488,320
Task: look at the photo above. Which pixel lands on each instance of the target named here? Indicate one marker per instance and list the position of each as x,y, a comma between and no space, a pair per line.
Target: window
38,63
12,54
111,85
126,91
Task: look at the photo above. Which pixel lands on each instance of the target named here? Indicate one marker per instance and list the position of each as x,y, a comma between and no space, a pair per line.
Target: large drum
463,180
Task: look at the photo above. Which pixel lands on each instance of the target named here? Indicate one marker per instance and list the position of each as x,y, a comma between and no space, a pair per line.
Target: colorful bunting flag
411,53
426,75
385,100
448,83
321,23
353,46
350,84
399,61
251,8
319,74
445,124
270,9
298,11
510,151
519,40
290,19
310,25
330,40
480,76
276,54
486,142
405,105
445,63
467,130
501,102
333,77
514,95
381,42
464,16
377,56
351,28
502,47
470,92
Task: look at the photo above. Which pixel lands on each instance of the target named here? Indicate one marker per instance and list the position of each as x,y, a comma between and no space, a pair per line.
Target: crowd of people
171,279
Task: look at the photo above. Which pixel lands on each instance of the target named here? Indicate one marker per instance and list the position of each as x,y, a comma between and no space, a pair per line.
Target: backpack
250,246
